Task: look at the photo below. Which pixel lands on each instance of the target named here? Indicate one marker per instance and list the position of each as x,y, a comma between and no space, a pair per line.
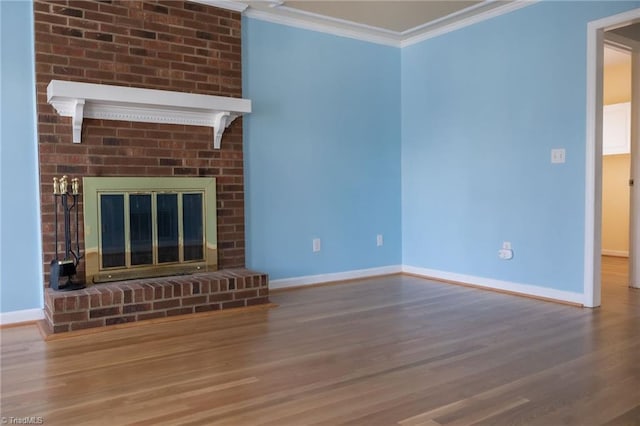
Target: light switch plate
557,155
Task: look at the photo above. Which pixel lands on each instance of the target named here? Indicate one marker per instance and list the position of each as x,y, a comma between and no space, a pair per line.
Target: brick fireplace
166,45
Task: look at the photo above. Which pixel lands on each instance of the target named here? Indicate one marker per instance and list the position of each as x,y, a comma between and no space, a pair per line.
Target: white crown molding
326,25
451,18
523,289
107,102
343,28
336,21
235,6
17,317
336,276
438,28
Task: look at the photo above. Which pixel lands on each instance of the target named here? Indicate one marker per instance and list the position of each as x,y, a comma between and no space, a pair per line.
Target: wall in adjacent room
616,168
322,151
616,82
482,107
615,204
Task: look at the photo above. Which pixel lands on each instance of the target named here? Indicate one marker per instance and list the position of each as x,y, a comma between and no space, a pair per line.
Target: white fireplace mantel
108,102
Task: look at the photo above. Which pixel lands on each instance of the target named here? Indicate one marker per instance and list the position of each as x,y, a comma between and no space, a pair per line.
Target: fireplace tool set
67,266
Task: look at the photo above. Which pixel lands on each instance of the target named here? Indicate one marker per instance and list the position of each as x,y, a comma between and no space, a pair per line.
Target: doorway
616,167
620,29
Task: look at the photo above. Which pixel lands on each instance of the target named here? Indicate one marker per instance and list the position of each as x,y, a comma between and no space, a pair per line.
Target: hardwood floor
385,351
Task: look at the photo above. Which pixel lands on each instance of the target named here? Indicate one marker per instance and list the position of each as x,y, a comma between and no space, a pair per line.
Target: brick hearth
136,300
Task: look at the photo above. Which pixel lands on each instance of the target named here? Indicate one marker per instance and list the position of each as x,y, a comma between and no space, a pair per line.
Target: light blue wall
481,109
20,267
322,151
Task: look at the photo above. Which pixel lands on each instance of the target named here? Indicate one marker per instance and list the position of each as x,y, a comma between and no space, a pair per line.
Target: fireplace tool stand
66,267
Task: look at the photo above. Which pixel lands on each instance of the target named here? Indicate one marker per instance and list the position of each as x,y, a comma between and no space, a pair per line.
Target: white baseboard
524,289
26,315
617,253
335,276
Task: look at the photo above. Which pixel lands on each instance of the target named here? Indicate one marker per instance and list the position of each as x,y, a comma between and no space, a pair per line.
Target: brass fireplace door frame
93,186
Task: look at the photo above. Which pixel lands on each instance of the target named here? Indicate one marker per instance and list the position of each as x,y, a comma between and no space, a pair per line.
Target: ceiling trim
430,31
333,20
320,23
283,15
452,17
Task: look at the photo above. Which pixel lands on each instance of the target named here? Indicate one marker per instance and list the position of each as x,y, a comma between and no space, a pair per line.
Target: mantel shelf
107,102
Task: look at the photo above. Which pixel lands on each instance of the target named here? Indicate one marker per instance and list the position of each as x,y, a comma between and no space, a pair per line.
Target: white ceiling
390,15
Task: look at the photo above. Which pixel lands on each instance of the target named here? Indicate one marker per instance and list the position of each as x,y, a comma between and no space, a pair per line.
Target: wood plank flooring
394,350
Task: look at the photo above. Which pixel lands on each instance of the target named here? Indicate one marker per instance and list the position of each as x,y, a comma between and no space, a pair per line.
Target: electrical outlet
316,245
506,252
379,240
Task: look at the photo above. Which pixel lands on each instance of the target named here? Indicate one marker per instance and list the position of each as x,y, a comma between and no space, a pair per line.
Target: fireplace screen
143,227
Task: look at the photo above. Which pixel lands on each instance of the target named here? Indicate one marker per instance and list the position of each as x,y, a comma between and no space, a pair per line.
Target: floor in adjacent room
383,351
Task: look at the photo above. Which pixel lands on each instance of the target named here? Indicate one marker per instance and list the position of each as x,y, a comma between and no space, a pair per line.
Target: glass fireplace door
144,233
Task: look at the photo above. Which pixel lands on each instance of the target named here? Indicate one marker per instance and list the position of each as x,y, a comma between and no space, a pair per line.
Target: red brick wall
171,45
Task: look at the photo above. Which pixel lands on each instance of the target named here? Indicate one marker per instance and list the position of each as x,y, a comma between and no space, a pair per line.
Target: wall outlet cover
558,155
505,254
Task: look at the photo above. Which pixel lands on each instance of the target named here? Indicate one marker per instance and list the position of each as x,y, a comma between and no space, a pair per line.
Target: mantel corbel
221,121
107,102
76,119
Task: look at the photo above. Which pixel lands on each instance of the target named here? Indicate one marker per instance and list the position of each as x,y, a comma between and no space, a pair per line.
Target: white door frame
634,189
593,154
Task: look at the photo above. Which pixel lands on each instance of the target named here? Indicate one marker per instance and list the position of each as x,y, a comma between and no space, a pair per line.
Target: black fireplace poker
67,267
